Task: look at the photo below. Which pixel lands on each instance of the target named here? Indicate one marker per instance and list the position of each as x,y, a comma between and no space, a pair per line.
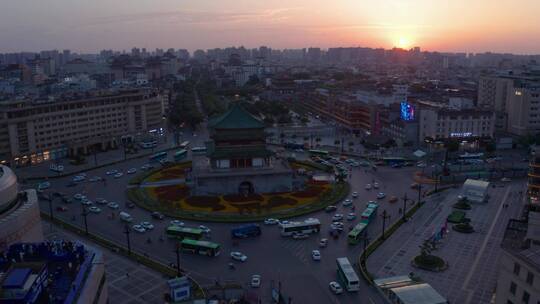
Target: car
78,196
505,179
347,202
351,217
355,164
130,205
415,186
87,202
381,195
355,194
421,165
113,205
61,208
101,201
335,288
138,228
112,172
337,226
323,243
78,178
330,208
177,223
393,199
375,185
44,185
147,225
238,256
281,223
299,236
271,221
205,229
255,281
337,217
118,175
316,255
94,209
368,187
66,200
157,215
95,179
71,184
131,171
396,166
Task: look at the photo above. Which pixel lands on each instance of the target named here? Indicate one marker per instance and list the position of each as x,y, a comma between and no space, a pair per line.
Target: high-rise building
523,108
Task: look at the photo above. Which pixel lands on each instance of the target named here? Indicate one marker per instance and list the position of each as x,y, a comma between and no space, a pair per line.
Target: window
525,298
530,278
513,287
516,269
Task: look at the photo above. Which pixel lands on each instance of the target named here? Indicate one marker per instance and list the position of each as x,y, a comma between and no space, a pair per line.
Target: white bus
307,226
346,275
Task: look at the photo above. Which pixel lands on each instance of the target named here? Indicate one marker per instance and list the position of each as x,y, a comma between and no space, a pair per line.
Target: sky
436,25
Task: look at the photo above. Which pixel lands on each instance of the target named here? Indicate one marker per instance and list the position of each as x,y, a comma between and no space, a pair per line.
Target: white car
79,178
205,229
299,235
101,201
355,194
381,195
347,202
147,225
118,175
316,255
87,202
505,179
281,223
351,217
177,223
255,281
375,185
368,186
337,217
78,196
95,179
138,228
94,209
336,288
337,226
271,221
236,255
323,243
112,172
113,205
44,185
131,171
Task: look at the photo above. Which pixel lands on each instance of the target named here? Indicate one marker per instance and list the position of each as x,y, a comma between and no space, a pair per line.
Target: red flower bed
205,202
317,183
277,201
171,193
237,198
311,191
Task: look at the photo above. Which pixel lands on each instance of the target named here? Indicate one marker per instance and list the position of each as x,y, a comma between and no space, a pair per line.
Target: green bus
200,247
314,152
184,232
198,150
180,155
158,156
356,234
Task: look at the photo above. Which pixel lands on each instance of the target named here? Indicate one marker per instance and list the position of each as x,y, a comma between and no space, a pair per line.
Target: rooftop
235,118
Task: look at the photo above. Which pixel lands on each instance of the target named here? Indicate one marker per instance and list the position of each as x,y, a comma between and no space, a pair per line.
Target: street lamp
127,231
85,215
178,271
405,199
365,238
384,216
49,198
419,192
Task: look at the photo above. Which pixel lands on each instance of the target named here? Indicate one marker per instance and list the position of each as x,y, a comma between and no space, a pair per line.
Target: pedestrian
127,274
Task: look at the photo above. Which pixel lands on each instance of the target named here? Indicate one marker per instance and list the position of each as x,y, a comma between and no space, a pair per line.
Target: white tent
419,153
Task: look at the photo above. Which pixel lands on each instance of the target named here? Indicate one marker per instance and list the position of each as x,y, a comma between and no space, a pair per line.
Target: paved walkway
127,281
472,258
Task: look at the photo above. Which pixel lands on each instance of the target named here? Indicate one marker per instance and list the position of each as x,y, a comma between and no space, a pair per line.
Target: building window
513,287
530,278
257,162
223,163
516,269
525,298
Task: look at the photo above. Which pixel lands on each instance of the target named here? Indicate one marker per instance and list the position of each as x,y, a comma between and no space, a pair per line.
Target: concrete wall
22,223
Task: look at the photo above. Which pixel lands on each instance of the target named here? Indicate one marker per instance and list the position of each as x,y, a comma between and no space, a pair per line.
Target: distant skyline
89,26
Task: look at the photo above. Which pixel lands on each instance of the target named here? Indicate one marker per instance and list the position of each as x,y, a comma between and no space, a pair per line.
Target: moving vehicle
238,256
337,217
205,229
78,178
95,179
316,255
198,150
356,235
271,221
355,194
101,201
118,175
131,171
370,212
381,195
184,144
147,225
138,228
368,187
330,209
200,247
375,185
177,223
158,156
56,168
111,172
351,216
94,209
44,185
180,155
157,215
245,231
308,226
113,205
299,236
335,288
393,199
126,217
323,243
255,281
347,203
148,144
184,232
346,274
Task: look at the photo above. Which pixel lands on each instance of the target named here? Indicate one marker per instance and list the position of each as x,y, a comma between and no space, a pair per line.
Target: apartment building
33,131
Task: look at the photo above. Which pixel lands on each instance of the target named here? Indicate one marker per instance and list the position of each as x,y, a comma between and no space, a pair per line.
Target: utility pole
405,207
178,271
85,215
384,216
51,208
419,192
126,231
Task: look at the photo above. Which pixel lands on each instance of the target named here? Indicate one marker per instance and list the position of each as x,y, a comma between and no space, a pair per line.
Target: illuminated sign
465,134
407,111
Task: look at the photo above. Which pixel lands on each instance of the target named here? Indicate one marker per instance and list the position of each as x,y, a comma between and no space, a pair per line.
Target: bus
245,231
471,158
184,232
198,150
307,226
200,247
180,155
394,160
356,234
158,156
313,152
370,212
346,275
184,145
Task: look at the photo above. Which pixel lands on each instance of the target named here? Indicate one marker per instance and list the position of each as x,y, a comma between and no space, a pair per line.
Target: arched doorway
245,188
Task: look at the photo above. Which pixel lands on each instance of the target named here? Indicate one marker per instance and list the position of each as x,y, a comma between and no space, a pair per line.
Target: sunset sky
92,25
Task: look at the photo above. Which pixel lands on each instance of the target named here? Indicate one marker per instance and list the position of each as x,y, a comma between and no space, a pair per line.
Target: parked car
87,202
205,229
113,205
101,201
316,255
330,209
336,288
131,171
177,223
381,195
323,243
78,178
94,209
157,215
255,281
112,172
375,185
238,256
118,175
138,228
44,185
147,225
355,194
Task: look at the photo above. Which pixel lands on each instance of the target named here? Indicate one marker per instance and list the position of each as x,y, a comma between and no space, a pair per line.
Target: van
126,217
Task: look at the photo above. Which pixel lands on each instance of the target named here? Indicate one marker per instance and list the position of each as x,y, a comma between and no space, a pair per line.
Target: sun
403,42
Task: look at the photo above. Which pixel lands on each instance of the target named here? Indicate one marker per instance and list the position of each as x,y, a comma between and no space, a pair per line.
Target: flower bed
170,193
237,198
430,262
173,172
311,191
211,202
279,201
463,228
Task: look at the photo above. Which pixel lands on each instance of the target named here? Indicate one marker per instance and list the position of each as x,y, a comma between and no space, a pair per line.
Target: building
19,212
523,108
37,130
52,272
533,182
238,161
404,290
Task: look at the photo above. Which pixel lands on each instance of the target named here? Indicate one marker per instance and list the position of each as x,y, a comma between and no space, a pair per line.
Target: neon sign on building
407,111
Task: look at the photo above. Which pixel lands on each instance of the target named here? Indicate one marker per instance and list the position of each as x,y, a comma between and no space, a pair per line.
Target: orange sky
457,25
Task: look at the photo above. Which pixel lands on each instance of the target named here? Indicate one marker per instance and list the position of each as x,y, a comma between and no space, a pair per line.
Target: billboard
407,111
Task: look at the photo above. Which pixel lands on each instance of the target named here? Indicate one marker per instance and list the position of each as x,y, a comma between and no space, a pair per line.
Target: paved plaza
472,258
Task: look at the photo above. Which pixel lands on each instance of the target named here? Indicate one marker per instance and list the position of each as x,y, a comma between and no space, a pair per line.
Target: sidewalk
127,282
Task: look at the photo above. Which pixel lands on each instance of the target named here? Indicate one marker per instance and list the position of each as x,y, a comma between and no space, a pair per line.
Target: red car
61,208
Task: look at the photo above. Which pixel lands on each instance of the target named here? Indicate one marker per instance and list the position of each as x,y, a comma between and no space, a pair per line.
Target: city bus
314,152
245,231
307,226
471,158
356,234
370,213
158,156
346,275
180,155
200,247
184,145
184,232
198,150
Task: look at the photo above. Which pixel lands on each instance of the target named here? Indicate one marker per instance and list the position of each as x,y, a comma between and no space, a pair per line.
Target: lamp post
419,192
51,208
384,216
85,215
178,271
127,231
365,238
405,199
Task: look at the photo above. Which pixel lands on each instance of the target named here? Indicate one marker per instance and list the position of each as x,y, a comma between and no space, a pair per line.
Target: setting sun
403,42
